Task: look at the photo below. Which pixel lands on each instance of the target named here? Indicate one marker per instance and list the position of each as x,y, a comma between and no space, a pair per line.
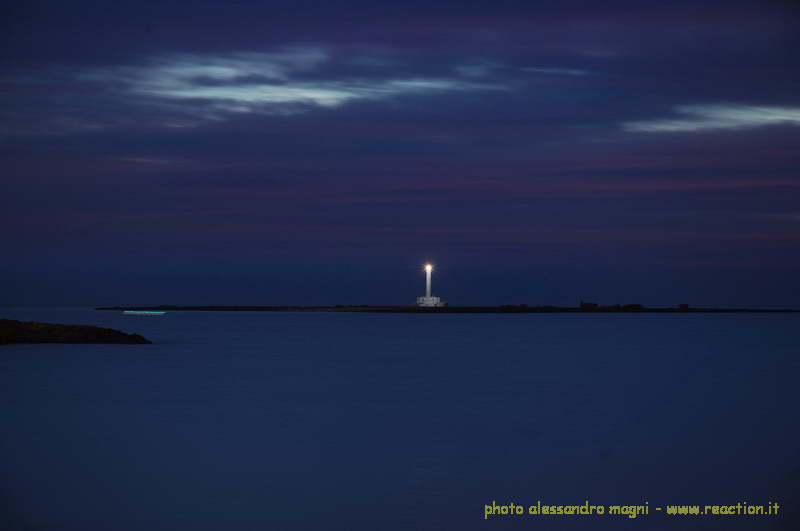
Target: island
12,331
584,307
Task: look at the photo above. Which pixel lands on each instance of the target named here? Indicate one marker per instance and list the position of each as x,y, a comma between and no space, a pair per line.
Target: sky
321,152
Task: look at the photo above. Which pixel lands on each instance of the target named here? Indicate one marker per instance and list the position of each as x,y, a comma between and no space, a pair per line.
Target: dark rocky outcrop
31,332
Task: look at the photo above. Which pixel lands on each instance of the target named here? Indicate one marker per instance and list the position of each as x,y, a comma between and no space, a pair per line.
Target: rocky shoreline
12,332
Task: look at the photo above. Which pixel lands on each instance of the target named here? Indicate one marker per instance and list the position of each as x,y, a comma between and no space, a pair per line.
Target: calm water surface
370,421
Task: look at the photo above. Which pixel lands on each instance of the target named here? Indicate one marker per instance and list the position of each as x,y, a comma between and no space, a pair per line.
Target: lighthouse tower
429,301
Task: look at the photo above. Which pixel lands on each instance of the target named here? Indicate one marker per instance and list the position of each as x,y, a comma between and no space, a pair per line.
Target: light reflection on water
363,421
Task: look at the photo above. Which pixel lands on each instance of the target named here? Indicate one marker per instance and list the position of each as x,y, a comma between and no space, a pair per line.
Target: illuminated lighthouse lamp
429,301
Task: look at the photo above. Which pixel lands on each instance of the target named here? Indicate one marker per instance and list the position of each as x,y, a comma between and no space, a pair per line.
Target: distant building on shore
429,301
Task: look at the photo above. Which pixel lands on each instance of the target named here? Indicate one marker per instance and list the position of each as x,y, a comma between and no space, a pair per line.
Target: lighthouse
429,301
428,269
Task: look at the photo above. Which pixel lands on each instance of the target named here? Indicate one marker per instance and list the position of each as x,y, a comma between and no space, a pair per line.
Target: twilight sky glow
320,152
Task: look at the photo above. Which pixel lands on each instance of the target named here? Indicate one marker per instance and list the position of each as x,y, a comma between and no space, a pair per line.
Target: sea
278,420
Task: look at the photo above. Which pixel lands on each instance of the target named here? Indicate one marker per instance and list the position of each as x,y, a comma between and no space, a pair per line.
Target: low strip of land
522,308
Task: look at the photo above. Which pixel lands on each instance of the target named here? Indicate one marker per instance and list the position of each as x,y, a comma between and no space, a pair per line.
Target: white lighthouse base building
430,302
